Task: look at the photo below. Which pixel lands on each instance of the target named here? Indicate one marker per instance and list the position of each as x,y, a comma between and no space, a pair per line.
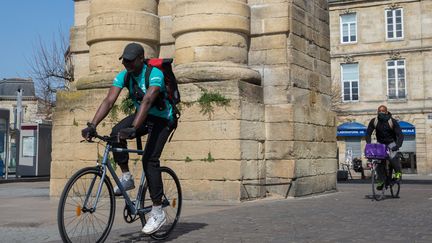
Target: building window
394,23
396,79
350,82
348,28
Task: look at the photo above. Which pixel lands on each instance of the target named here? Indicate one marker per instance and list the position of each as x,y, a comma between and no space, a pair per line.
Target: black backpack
173,94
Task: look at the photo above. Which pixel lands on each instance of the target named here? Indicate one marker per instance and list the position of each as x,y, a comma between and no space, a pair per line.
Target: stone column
215,153
211,40
110,26
167,40
79,49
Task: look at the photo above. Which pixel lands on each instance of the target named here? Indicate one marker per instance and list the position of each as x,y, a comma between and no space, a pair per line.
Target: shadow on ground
179,230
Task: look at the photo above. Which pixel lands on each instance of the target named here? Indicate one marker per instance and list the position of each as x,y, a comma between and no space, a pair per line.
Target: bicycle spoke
172,194
82,223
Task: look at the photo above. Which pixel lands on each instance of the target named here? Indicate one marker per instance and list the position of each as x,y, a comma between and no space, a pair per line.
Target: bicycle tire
76,190
395,189
173,193
374,177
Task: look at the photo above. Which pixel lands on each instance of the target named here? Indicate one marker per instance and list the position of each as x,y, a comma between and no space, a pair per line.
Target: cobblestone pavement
345,216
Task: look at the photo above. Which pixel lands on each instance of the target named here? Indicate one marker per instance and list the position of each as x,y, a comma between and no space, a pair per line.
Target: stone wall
270,59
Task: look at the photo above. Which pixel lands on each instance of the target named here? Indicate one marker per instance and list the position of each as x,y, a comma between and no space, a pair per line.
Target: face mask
382,116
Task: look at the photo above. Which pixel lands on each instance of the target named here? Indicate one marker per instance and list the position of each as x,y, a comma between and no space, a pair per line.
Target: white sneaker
127,183
155,221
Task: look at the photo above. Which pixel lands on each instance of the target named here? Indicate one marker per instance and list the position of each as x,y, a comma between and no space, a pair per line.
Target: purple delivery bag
376,151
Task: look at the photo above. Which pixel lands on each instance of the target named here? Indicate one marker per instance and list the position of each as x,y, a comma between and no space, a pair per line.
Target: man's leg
158,135
396,165
380,170
122,158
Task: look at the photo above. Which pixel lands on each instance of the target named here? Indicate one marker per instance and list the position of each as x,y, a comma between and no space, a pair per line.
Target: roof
351,129
9,87
351,126
406,125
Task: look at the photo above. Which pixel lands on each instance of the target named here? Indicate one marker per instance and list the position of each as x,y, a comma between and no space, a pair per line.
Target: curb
24,179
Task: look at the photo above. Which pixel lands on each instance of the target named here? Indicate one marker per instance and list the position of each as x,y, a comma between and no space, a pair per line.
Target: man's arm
150,96
106,105
369,131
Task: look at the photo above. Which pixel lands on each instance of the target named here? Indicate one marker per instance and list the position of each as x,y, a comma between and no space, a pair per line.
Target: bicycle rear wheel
395,189
172,202
81,223
377,195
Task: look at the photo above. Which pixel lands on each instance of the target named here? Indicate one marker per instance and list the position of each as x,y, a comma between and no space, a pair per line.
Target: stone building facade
269,58
381,53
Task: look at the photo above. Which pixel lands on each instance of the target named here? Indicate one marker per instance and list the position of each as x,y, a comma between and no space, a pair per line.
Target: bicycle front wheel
78,220
377,195
172,202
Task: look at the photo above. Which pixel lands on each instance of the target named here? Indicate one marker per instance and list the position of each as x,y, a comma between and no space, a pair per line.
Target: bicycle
389,183
87,204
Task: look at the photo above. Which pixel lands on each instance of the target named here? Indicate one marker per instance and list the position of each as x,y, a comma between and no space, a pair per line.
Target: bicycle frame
134,208
388,170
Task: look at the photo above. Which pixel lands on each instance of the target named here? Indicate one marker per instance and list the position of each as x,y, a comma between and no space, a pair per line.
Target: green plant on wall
209,158
209,99
188,159
186,104
75,123
113,115
127,106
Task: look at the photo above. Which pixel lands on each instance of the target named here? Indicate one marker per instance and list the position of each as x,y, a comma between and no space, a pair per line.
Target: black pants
394,164
158,132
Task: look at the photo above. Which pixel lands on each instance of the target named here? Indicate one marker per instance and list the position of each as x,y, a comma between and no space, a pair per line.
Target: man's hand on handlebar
89,132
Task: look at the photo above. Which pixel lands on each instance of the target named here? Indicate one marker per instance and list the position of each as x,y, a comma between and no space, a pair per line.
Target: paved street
28,215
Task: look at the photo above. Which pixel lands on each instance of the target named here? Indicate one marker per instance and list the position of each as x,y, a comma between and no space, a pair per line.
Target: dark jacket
384,133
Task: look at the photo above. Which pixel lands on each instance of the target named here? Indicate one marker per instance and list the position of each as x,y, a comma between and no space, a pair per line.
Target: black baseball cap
132,51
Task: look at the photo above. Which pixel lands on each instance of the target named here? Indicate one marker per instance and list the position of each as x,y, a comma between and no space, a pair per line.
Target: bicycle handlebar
107,139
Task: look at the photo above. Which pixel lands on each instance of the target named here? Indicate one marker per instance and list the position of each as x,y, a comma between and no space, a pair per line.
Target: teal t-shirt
156,79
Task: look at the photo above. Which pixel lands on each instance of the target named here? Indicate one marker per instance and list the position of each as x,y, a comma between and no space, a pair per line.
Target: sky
22,24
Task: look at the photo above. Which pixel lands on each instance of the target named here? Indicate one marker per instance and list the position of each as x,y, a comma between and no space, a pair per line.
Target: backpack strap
390,122
136,92
126,80
148,71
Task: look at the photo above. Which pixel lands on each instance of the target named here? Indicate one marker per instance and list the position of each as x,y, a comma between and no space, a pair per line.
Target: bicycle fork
92,184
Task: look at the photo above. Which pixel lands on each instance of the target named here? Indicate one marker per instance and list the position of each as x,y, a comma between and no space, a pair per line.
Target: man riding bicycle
388,132
154,116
